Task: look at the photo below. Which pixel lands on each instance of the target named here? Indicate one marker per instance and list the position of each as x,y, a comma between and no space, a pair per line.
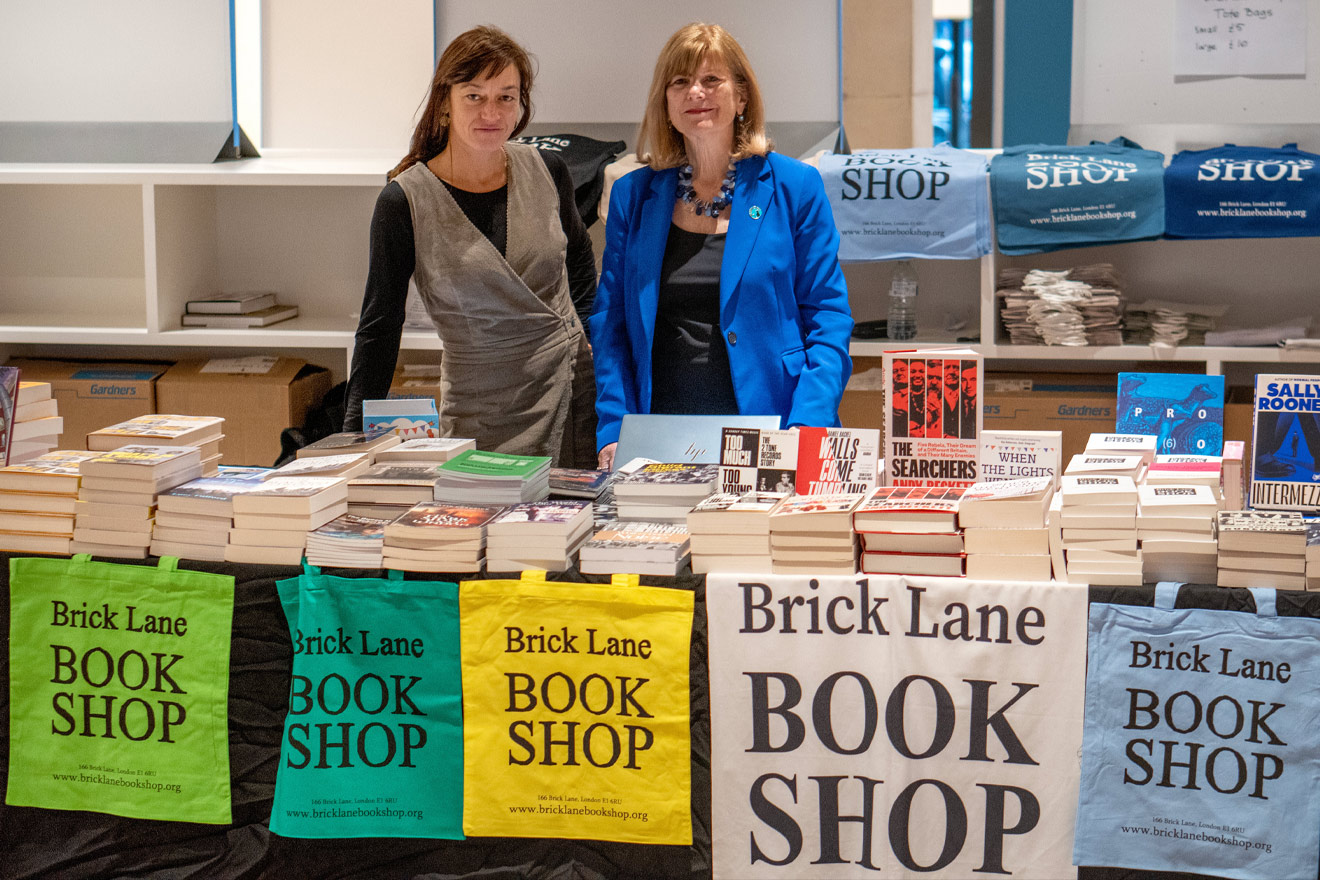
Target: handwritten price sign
1240,38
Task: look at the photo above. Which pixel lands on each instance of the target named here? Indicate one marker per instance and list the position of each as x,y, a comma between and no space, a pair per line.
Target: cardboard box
416,380
258,397
1077,404
94,393
863,404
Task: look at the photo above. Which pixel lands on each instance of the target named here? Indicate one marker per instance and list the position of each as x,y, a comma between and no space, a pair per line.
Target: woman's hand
605,458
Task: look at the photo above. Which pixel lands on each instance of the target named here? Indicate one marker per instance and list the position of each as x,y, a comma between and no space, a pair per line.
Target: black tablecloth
64,844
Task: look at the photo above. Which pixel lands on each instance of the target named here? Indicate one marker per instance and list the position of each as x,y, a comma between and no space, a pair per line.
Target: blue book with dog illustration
1185,411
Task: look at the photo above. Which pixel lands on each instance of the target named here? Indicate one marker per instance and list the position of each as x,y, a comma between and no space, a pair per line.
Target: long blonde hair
658,143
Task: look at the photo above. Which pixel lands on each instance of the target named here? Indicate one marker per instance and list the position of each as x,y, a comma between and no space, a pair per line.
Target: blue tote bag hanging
1199,751
893,204
1046,197
1242,192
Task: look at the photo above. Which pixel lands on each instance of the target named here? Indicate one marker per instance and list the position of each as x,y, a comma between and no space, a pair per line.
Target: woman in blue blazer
720,290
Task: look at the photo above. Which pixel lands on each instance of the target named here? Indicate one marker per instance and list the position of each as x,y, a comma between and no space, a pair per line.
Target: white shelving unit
99,260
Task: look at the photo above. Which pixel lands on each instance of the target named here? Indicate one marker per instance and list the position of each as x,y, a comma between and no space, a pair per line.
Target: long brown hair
483,50
658,143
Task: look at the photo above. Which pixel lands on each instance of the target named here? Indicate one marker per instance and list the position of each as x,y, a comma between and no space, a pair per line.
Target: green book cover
478,463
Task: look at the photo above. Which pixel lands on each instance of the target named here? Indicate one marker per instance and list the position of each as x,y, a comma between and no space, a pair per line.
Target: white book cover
1128,444
1012,455
1177,500
1105,463
1093,490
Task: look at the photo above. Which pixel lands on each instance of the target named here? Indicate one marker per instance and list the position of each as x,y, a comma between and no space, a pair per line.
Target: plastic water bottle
902,322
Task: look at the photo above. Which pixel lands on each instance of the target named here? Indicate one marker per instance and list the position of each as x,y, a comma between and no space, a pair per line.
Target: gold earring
444,119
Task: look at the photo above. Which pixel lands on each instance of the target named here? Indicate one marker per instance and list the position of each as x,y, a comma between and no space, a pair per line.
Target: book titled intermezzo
1285,470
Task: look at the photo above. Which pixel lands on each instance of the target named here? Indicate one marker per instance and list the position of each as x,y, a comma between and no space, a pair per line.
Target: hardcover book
909,509
1184,411
834,461
933,417
1285,468
758,460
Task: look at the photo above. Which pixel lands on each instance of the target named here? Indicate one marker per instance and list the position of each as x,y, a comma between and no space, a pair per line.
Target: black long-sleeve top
392,259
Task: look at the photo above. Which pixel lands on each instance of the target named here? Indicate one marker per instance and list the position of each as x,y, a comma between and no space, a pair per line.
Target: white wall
343,74
596,56
1123,82
123,61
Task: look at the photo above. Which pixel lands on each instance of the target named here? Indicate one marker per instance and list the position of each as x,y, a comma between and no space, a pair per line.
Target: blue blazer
783,302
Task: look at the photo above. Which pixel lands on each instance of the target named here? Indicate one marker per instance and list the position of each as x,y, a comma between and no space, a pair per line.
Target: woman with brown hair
490,233
721,290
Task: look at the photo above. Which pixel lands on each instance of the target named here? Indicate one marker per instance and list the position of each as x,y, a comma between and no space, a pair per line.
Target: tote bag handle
1166,597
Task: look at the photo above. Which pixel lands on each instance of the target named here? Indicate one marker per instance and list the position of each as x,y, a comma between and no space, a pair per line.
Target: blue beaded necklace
700,207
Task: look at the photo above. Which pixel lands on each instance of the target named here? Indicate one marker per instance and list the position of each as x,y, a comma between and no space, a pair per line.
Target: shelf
274,168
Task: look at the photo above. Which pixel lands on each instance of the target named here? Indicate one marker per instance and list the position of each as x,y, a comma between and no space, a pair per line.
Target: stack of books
346,442
439,536
236,311
731,532
117,496
1176,526
911,530
37,502
1184,470
544,535
1313,556
348,541
271,521
476,476
814,533
1262,548
1232,477
664,492
193,519
1099,520
425,450
636,548
387,490
203,432
36,422
1005,529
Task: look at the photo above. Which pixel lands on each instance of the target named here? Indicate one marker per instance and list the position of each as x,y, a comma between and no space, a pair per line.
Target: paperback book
54,473
920,509
578,482
426,450
1016,455
832,461
933,417
1285,469
348,441
758,460
1184,411
160,429
232,303
260,318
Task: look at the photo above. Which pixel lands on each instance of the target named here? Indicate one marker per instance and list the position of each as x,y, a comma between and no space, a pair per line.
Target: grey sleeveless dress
511,338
